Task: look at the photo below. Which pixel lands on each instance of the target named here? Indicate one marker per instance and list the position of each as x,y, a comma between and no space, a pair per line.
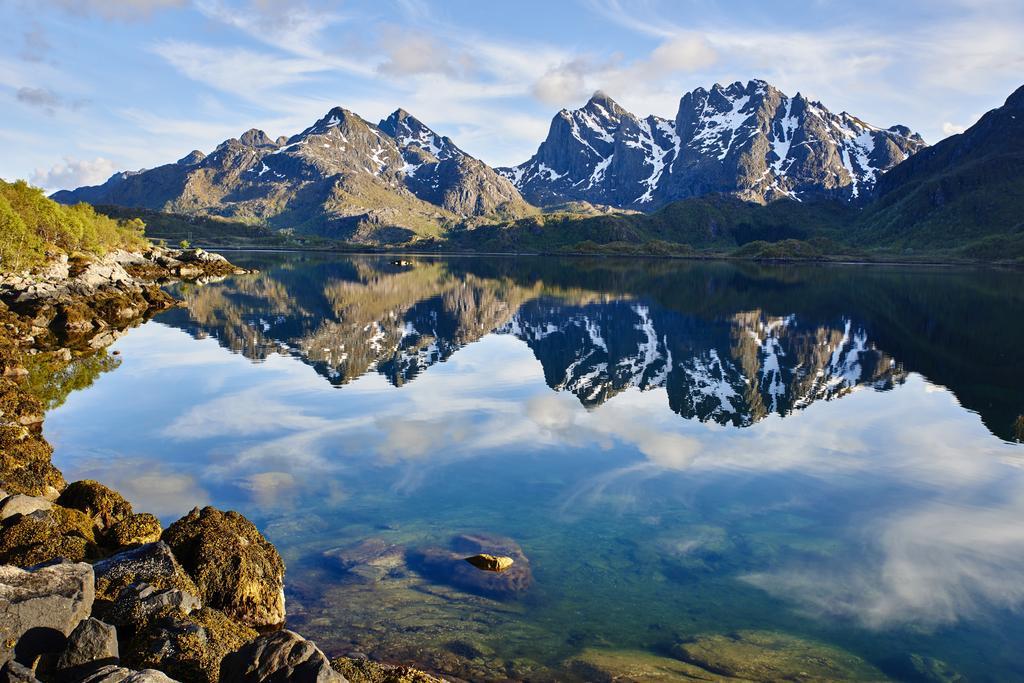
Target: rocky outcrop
450,566
39,608
152,564
119,674
280,656
235,568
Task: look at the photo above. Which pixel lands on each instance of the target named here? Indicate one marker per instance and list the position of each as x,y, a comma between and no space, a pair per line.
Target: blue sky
94,86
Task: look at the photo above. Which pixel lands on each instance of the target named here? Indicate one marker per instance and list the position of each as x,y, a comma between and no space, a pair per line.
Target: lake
688,459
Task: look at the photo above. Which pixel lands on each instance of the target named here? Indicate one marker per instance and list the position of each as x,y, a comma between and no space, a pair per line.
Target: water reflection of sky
924,501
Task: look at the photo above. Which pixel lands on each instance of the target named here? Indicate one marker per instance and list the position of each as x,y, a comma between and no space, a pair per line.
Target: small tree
184,244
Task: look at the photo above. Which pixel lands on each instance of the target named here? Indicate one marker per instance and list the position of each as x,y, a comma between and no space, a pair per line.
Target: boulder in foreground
276,658
235,568
39,608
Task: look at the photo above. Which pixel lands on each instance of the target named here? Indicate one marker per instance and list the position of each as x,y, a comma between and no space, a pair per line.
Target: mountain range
342,177
736,164
752,141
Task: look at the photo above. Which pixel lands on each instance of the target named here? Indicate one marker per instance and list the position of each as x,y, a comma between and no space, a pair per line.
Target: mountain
965,189
751,141
342,177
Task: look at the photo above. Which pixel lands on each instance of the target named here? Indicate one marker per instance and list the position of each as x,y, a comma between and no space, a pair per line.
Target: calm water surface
680,449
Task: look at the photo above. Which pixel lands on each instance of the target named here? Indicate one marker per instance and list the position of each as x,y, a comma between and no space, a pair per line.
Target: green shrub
32,224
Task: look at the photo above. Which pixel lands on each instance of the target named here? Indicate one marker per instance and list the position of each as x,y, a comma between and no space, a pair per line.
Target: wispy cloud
73,173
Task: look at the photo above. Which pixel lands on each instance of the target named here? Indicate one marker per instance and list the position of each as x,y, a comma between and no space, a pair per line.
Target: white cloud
72,173
952,128
125,10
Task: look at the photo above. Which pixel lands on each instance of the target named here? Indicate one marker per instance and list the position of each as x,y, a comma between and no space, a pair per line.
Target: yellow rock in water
490,563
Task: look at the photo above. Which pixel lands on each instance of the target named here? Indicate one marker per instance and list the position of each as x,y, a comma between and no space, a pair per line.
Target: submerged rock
770,656
39,608
450,566
44,535
369,560
104,506
635,666
278,657
235,568
490,563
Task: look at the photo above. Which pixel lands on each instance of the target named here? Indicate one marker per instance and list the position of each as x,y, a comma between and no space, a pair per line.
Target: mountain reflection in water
731,344
681,450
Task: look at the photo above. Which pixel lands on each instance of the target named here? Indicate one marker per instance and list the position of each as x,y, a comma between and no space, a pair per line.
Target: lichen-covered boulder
105,506
279,656
188,647
134,530
44,535
152,564
235,568
41,607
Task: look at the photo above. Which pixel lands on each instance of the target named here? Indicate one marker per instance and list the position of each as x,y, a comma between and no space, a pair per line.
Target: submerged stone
450,566
369,560
490,563
771,656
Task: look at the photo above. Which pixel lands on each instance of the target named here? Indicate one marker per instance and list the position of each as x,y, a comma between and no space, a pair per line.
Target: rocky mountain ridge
749,140
341,177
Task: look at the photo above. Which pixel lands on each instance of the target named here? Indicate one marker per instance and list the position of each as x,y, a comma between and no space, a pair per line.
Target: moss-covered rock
44,535
187,647
771,656
138,529
365,671
236,569
105,506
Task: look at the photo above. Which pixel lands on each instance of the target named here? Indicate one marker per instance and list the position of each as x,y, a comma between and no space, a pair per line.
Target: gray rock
20,504
139,603
40,607
13,672
278,657
118,674
91,644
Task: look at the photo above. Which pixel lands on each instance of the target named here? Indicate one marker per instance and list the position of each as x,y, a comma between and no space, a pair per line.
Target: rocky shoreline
91,590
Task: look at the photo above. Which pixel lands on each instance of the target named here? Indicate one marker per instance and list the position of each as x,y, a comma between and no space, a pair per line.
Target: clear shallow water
680,449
